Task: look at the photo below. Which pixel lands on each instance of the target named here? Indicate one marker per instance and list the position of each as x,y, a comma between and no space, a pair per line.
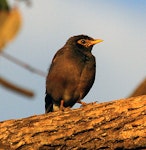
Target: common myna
71,74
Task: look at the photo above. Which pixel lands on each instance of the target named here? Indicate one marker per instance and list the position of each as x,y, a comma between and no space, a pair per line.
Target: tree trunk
119,124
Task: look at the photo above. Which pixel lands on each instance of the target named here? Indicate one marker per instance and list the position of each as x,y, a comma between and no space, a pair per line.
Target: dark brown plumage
71,74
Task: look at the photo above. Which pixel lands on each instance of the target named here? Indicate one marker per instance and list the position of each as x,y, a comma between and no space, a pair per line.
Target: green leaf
4,5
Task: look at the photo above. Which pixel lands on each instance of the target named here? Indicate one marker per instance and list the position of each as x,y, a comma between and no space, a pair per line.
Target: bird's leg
82,103
61,105
62,108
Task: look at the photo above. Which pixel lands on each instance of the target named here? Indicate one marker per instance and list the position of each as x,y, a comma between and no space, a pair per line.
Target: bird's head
83,42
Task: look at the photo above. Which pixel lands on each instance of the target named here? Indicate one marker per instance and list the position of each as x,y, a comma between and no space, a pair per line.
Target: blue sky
121,58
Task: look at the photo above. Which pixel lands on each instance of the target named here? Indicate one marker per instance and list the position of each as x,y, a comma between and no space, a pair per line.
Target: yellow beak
95,41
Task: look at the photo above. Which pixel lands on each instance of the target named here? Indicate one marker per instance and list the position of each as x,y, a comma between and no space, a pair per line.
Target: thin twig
22,64
11,86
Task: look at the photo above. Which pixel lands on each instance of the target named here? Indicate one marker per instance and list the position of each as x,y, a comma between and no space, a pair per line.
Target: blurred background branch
140,90
10,23
15,88
23,64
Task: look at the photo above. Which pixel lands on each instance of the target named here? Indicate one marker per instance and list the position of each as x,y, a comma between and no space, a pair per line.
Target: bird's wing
63,77
87,77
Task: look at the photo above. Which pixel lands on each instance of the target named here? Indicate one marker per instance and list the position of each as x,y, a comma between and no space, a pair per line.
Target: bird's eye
83,41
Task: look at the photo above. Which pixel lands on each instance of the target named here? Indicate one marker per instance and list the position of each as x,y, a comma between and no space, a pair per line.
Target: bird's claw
82,103
65,109
62,108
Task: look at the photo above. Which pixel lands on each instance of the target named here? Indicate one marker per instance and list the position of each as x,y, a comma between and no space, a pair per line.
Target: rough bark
119,124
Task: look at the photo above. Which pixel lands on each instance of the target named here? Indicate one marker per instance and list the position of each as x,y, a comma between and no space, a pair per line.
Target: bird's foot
62,108
67,108
61,105
82,103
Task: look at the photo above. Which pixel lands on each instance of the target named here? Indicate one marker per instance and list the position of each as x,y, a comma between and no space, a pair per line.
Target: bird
71,73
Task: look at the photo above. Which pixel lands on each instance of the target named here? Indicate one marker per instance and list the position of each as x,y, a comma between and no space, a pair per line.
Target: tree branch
7,84
140,90
23,64
119,124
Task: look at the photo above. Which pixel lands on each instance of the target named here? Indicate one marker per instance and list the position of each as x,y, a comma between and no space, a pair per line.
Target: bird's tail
48,103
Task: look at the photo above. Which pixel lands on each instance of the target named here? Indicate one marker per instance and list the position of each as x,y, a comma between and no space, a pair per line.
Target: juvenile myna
71,74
